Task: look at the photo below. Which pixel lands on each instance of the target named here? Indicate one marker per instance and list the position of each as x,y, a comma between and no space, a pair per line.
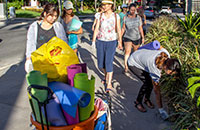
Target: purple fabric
54,113
71,71
155,45
71,120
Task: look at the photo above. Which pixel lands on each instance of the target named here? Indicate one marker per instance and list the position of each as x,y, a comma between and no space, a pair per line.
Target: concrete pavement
15,109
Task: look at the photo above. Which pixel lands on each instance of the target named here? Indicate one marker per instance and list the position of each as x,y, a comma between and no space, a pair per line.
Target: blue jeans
105,54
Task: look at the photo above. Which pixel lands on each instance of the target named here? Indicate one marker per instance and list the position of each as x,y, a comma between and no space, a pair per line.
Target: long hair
64,13
49,8
160,60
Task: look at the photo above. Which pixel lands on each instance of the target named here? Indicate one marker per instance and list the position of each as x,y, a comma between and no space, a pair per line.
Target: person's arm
156,88
141,31
80,31
123,27
119,34
95,21
30,47
96,30
145,20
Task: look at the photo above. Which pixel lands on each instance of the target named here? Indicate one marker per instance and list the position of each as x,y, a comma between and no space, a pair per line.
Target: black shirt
44,35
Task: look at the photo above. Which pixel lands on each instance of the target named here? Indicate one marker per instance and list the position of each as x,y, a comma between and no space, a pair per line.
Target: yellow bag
53,58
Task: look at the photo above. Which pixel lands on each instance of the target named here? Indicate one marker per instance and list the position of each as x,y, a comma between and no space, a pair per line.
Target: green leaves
190,24
194,84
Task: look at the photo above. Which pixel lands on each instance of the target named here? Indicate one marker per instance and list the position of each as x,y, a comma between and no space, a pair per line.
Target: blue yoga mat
70,97
155,45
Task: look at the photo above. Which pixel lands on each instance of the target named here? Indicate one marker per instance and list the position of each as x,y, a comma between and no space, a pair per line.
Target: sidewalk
15,108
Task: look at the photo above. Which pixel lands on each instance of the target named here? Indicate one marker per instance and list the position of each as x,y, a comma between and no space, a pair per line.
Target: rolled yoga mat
54,112
82,82
83,67
70,98
71,71
36,78
155,45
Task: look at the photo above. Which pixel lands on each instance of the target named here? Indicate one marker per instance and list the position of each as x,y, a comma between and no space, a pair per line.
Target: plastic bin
85,125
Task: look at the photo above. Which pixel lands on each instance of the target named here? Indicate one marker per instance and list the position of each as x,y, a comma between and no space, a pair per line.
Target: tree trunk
95,5
82,5
60,6
114,4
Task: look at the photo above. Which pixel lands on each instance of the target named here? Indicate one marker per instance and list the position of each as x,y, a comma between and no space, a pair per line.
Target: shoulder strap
115,22
100,20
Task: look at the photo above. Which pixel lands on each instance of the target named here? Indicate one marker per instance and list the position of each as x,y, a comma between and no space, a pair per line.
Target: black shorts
136,42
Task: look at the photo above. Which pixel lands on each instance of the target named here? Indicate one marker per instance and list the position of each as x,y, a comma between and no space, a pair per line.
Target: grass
27,14
32,14
85,12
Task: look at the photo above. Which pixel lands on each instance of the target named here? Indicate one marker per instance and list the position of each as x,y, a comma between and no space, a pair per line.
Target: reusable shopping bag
53,58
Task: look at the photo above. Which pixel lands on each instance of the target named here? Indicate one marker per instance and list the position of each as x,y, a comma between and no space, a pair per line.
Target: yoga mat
36,78
155,45
54,113
82,82
70,98
83,67
71,71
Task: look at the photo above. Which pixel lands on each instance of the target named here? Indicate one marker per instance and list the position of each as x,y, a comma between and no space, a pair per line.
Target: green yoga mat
36,78
82,82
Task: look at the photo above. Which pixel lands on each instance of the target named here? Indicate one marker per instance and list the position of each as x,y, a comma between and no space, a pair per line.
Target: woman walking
108,33
147,65
123,13
67,17
132,33
42,30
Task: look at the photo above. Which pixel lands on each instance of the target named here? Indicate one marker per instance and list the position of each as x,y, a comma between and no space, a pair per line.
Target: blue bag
73,40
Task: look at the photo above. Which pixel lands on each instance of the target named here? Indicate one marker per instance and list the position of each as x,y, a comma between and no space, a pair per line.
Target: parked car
149,12
165,10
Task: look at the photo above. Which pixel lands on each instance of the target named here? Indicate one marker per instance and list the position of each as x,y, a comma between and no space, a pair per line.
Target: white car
165,10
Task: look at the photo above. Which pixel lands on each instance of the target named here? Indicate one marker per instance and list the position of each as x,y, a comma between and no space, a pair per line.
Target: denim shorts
105,54
136,42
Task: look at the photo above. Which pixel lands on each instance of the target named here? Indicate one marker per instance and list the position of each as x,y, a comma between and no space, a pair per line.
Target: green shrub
172,36
16,4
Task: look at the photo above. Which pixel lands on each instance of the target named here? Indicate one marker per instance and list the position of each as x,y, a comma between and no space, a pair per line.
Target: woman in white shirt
108,33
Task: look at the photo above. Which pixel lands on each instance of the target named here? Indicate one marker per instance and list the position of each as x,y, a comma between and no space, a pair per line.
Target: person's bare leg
128,47
105,77
109,79
135,47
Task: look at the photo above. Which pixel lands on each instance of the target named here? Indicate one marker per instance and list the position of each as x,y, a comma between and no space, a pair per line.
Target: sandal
108,89
149,103
140,107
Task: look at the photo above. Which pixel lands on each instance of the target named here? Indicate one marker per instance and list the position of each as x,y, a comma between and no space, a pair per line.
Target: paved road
14,106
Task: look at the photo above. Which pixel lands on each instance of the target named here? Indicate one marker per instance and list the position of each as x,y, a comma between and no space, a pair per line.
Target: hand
120,45
93,45
142,40
28,66
69,32
163,114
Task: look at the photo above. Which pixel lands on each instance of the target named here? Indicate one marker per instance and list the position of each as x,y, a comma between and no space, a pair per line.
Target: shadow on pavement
10,84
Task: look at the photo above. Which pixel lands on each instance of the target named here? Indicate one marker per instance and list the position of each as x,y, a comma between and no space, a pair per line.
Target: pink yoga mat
71,71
